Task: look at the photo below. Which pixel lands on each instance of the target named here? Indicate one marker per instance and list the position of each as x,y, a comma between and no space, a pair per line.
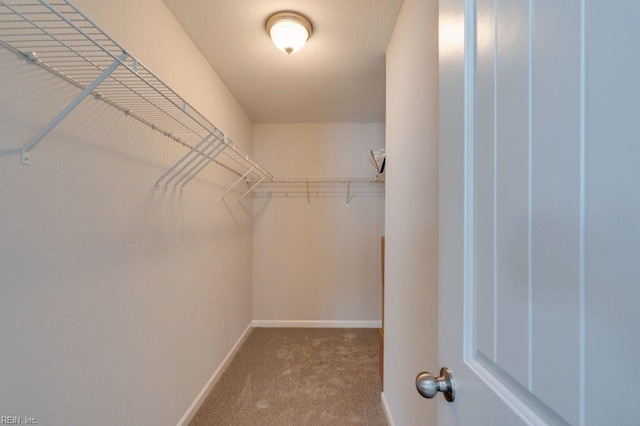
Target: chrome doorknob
429,386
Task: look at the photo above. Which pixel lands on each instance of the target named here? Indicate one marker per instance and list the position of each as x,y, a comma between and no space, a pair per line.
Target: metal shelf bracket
25,157
252,188
243,177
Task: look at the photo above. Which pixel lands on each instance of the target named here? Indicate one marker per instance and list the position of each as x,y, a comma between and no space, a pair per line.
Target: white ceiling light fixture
289,31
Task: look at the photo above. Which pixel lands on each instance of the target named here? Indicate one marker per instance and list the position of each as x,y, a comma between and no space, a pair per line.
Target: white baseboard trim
316,324
387,410
195,405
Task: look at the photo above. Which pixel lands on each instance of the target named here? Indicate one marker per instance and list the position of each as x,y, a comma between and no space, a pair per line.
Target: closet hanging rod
293,181
315,187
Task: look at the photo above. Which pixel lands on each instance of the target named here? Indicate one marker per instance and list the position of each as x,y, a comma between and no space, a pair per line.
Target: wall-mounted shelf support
26,150
252,188
182,159
243,177
214,149
193,162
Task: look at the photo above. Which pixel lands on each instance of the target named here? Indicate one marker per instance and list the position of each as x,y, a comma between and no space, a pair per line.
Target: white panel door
540,211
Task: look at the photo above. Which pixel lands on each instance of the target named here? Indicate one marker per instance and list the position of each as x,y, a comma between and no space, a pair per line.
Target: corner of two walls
318,262
411,213
118,301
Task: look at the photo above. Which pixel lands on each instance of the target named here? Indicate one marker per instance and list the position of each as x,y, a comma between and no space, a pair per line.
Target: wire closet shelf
56,36
317,187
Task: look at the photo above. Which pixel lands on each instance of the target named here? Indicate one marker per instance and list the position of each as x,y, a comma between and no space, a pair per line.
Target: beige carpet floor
296,376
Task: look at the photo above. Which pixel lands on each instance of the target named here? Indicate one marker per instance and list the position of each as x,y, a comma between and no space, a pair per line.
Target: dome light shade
289,31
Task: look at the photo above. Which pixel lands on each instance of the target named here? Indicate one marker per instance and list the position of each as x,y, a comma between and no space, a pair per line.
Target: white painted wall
319,262
411,213
117,302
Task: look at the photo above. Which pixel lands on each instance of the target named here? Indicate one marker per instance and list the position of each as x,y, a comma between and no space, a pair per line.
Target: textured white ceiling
337,77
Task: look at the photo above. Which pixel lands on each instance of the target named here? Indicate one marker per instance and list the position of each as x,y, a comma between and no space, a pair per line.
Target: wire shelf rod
322,180
200,166
43,30
64,18
183,158
244,176
193,156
